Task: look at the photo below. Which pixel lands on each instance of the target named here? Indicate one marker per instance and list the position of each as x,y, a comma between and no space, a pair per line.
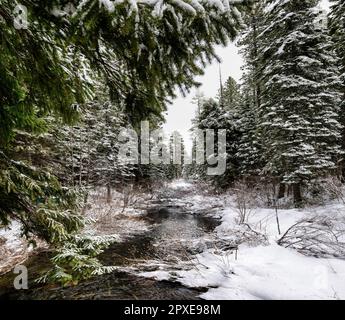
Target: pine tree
230,96
220,117
93,158
198,100
250,148
176,149
194,171
337,30
300,101
142,50
155,174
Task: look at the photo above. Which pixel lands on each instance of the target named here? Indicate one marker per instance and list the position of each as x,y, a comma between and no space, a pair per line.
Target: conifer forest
244,199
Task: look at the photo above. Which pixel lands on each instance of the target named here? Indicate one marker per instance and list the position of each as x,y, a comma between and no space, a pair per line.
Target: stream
175,235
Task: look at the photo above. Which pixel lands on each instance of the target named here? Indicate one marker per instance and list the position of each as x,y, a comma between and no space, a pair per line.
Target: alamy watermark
20,282
151,148
20,17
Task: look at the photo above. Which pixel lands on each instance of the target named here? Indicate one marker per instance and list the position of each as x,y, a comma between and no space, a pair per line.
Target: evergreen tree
217,117
198,100
337,30
194,171
142,50
229,96
154,174
300,101
90,151
250,148
176,149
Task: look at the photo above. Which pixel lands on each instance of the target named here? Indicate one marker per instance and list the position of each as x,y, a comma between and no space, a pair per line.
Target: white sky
182,111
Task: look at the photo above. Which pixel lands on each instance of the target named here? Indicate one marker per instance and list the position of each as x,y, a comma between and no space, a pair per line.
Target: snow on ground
180,184
111,220
108,219
194,198
265,272
115,218
262,270
11,235
13,249
259,269
274,272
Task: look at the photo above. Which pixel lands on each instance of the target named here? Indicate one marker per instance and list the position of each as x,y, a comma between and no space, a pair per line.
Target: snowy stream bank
185,243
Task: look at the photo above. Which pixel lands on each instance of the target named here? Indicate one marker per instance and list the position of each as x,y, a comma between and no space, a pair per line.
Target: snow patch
263,272
180,185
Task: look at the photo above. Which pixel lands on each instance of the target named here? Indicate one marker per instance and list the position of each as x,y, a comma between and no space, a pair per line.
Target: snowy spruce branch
193,7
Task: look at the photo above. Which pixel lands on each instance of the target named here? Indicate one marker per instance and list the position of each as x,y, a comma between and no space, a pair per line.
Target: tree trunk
297,195
108,193
86,197
342,172
281,192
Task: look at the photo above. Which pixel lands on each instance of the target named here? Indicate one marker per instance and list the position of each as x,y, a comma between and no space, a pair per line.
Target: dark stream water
169,240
